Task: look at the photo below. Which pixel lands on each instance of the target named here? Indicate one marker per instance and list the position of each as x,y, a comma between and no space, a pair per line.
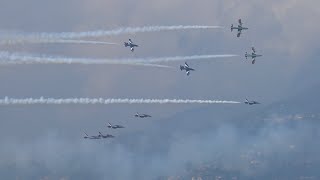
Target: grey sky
39,141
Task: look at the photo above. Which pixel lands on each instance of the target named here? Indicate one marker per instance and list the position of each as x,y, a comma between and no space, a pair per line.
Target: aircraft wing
239,33
130,41
185,64
188,73
253,60
240,22
132,49
253,50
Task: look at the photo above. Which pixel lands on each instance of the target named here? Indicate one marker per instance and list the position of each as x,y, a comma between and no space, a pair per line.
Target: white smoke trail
16,58
23,40
45,37
7,58
99,33
83,42
184,58
41,100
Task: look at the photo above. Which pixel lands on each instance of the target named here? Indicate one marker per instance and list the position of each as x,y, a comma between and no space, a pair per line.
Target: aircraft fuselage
142,115
253,55
92,137
186,68
239,28
252,103
115,127
107,136
131,45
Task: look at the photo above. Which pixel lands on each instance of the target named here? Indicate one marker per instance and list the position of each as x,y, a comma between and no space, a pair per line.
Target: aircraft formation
113,126
100,136
187,70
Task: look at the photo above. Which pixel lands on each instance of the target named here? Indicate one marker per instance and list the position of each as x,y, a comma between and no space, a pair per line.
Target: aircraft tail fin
86,134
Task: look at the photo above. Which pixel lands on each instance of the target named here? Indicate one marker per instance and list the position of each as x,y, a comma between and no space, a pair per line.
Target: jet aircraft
239,28
141,115
114,126
186,68
253,55
106,136
91,137
130,44
251,102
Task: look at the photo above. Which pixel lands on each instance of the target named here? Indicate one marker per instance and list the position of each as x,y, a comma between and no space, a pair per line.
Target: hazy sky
39,141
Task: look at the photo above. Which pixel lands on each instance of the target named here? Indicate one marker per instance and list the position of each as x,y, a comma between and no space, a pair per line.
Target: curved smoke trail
41,100
17,58
61,37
